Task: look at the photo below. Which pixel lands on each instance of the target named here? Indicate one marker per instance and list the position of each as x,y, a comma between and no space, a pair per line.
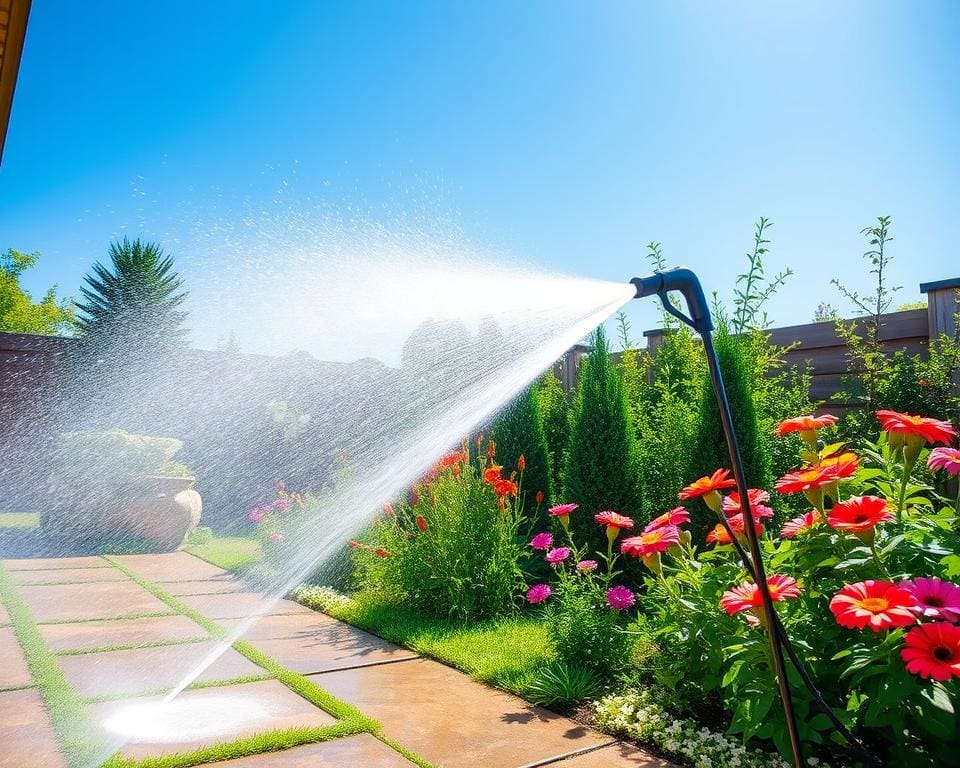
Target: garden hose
685,282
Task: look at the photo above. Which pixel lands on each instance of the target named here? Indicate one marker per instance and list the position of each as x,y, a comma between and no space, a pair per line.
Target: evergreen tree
600,472
519,431
711,452
555,417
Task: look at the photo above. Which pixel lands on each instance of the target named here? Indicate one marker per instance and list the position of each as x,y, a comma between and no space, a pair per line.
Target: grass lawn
505,652
19,520
232,553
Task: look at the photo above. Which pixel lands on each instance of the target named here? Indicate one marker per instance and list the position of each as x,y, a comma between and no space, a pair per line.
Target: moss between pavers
131,646
82,741
100,698
122,617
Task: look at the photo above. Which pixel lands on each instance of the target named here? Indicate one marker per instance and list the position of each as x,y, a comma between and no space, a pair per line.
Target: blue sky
567,134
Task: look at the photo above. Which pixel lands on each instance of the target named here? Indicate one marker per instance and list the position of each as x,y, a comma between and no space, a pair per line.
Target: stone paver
26,735
361,751
143,669
316,643
214,586
101,634
448,719
239,605
208,716
79,602
13,666
68,575
174,566
46,563
616,756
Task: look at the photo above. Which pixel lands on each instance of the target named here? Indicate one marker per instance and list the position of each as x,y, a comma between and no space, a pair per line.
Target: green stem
877,560
903,492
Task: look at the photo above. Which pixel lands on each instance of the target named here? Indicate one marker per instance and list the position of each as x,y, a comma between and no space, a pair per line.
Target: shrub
554,410
519,432
452,549
601,470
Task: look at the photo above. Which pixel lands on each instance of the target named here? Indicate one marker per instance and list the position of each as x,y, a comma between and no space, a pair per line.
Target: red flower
933,650
521,463
877,604
356,544
388,510
746,596
719,534
916,428
800,524
539,497
491,449
859,514
505,488
492,474
846,464
805,424
381,552
711,483
613,520
807,479
655,541
676,516
421,523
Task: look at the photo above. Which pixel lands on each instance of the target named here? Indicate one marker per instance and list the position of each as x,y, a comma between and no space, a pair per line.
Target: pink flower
936,599
676,516
800,524
256,515
947,459
557,555
542,540
276,538
538,593
281,505
562,510
587,565
620,598
279,486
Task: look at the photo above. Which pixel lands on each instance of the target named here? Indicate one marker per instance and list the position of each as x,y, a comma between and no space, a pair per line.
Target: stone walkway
118,642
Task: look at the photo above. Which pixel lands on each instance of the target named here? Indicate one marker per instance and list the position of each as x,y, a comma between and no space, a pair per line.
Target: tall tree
18,312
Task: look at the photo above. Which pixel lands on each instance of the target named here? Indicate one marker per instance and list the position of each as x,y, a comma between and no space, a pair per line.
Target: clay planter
161,509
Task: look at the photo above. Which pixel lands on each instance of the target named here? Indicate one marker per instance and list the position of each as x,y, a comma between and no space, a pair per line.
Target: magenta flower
936,599
277,538
256,515
542,540
947,459
557,555
620,598
281,505
538,593
587,565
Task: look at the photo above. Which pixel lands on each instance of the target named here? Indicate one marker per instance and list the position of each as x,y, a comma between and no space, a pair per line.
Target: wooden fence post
942,306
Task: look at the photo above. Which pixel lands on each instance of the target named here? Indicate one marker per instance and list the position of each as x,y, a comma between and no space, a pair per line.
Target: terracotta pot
162,509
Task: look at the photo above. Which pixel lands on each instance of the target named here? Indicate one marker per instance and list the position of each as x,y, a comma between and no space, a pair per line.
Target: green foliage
601,470
134,301
519,432
561,684
452,552
711,453
753,288
554,410
18,312
917,385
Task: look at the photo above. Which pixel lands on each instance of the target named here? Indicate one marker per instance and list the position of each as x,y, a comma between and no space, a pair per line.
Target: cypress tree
600,472
519,431
555,416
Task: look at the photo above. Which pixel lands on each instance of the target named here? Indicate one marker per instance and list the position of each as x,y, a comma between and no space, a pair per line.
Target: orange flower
421,523
746,596
521,463
807,479
719,534
860,515
505,488
709,484
381,552
492,474
539,497
805,424
846,464
491,449
914,430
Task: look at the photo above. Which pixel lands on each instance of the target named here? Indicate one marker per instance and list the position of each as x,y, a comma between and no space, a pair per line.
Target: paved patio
119,643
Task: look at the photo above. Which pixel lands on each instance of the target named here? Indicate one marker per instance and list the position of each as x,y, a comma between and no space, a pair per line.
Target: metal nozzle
684,281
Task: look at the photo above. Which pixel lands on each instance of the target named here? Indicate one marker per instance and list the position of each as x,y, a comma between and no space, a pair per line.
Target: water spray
686,283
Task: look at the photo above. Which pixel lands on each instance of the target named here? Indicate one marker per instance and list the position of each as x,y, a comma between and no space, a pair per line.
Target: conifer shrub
519,432
601,470
554,407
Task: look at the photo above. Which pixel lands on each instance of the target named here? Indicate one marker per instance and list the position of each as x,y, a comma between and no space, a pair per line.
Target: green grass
19,520
232,553
162,691
121,617
131,646
504,652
